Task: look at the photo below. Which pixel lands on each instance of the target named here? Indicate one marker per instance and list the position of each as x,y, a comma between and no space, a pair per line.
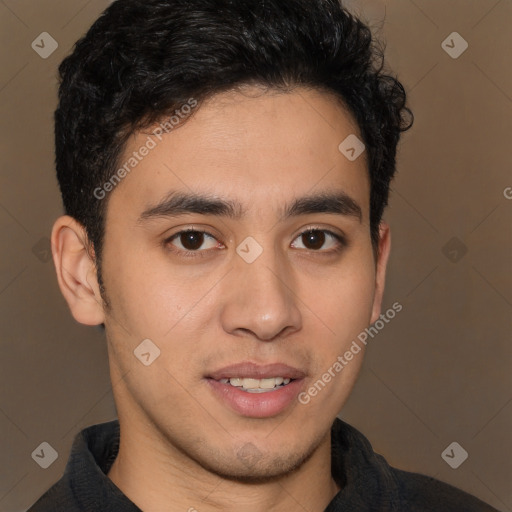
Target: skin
180,446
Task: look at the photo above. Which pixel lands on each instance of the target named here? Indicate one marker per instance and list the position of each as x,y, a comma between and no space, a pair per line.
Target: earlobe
382,261
76,271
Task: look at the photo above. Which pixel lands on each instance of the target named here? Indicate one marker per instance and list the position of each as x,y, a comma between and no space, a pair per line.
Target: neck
156,476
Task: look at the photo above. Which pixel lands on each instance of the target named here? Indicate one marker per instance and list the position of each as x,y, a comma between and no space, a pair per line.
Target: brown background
439,372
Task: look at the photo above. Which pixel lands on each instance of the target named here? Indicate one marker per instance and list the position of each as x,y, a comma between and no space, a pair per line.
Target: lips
252,370
265,404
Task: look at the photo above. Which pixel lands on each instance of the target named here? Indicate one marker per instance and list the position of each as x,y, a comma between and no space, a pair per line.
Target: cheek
147,297
343,299
344,305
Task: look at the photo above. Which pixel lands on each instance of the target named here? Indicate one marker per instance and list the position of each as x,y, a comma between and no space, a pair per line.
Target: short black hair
142,59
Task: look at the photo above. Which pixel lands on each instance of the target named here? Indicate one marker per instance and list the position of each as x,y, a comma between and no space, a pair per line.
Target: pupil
311,236
192,240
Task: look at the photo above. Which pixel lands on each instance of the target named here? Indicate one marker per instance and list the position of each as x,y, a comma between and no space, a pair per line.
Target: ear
76,271
382,262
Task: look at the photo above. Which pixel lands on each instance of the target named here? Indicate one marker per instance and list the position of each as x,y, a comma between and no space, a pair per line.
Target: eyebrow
179,203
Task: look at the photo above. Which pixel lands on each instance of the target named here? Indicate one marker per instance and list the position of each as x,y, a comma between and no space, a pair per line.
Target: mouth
256,391
257,385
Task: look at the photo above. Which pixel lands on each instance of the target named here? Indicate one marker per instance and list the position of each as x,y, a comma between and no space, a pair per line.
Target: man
224,167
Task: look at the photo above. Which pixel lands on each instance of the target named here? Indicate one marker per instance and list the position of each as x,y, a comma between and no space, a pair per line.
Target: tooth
267,383
250,383
255,384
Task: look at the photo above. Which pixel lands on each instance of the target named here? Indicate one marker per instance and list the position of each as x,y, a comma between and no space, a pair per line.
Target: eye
315,238
191,241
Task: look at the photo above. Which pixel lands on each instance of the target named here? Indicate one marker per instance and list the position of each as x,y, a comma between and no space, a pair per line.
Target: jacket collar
364,477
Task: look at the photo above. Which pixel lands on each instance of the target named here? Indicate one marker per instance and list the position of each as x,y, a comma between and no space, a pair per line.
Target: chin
250,465
259,472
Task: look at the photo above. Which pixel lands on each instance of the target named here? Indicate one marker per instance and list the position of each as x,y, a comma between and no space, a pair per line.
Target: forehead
251,146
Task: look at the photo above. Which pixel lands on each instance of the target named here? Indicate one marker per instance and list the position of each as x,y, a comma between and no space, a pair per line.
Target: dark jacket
367,481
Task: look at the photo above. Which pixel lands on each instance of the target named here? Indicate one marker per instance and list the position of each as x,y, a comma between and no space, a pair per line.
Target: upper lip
250,370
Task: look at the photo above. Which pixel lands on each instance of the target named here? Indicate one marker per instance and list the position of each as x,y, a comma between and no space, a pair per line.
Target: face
255,285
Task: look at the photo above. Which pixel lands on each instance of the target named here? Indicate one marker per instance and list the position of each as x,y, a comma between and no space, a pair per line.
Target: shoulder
423,493
384,487
56,499
84,484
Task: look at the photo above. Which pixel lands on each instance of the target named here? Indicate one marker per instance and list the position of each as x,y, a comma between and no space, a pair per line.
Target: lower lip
256,405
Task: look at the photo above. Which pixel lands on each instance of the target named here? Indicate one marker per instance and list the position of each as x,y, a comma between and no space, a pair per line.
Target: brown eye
190,241
314,240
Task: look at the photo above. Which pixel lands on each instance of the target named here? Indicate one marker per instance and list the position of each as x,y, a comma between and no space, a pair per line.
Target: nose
260,298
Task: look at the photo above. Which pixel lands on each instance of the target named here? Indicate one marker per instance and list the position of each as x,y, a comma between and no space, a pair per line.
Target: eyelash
342,243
